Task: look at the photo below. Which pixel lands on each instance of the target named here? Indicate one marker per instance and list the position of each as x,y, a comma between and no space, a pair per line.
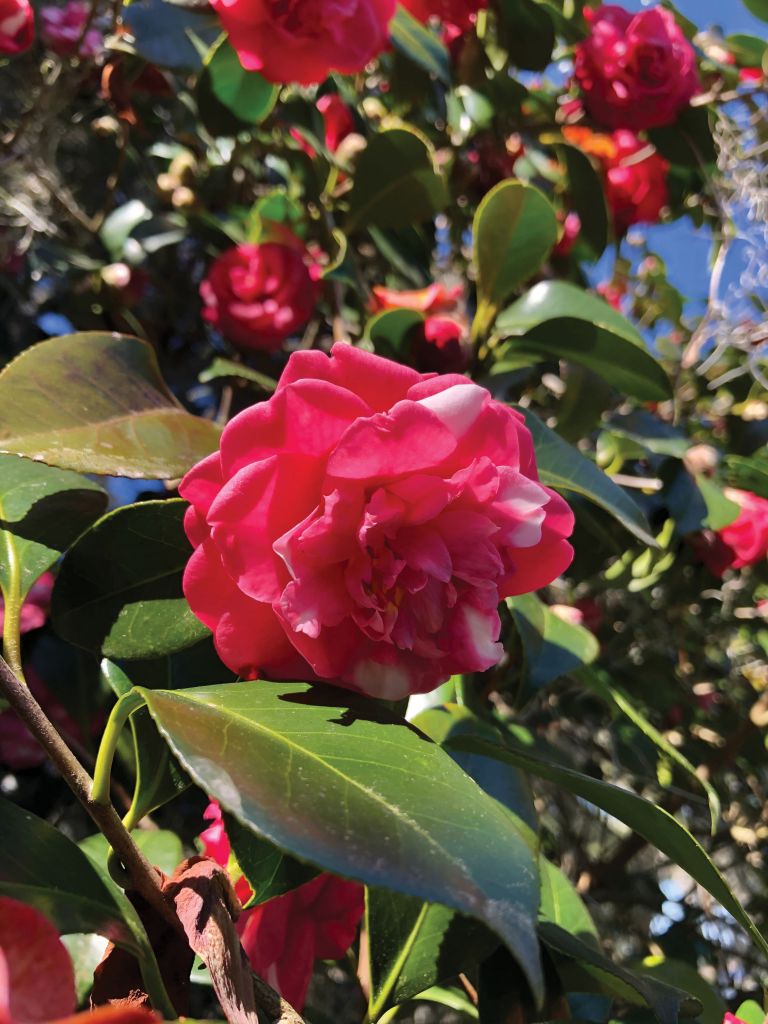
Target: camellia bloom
436,298
337,119
634,174
61,29
635,70
37,980
258,295
743,542
17,26
286,935
441,346
304,40
362,525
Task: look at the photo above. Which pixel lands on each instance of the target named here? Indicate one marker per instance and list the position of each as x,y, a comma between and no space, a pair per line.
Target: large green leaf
587,197
118,592
414,945
419,45
338,781
557,320
514,229
245,94
653,823
96,403
42,511
269,870
163,33
527,32
396,183
563,467
41,866
552,647
158,777
757,7
161,847
561,905
668,1004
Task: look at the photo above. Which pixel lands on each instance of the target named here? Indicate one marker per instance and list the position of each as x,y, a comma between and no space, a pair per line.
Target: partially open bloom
17,26
435,298
635,70
37,981
258,295
61,30
286,935
743,542
305,40
362,525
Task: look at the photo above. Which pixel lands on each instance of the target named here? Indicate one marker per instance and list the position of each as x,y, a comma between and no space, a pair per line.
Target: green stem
121,712
13,599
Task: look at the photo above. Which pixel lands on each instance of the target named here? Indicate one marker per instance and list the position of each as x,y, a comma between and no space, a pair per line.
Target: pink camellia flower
743,542
571,231
61,29
441,346
436,298
362,525
636,189
34,611
286,935
635,70
17,26
258,295
37,980
304,40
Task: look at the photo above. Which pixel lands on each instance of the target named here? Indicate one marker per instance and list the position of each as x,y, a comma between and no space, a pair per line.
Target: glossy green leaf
245,94
355,790
269,870
118,592
552,647
112,414
161,847
42,511
684,975
721,511
44,868
527,33
653,823
688,142
750,473
561,905
391,332
563,467
158,777
667,1003
163,32
757,7
557,320
229,368
414,945
600,683
396,183
85,951
587,197
749,1011
514,230
419,45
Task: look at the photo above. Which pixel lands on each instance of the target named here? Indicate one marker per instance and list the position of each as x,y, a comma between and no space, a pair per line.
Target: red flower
741,543
304,40
635,70
286,935
456,15
362,525
337,118
37,981
436,298
441,346
571,231
17,26
62,27
258,295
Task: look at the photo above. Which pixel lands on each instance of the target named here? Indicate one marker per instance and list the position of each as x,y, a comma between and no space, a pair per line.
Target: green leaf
757,7
749,1011
557,320
721,511
43,868
561,466
161,847
414,945
42,511
158,777
120,224
514,230
391,332
338,781
419,45
551,646
667,1003
653,823
228,368
688,142
684,975
748,50
86,952
748,473
118,592
561,905
245,94
587,197
528,33
269,870
396,183
112,412
164,33
600,683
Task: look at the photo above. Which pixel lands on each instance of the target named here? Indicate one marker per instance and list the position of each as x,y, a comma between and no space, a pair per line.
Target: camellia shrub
383,533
